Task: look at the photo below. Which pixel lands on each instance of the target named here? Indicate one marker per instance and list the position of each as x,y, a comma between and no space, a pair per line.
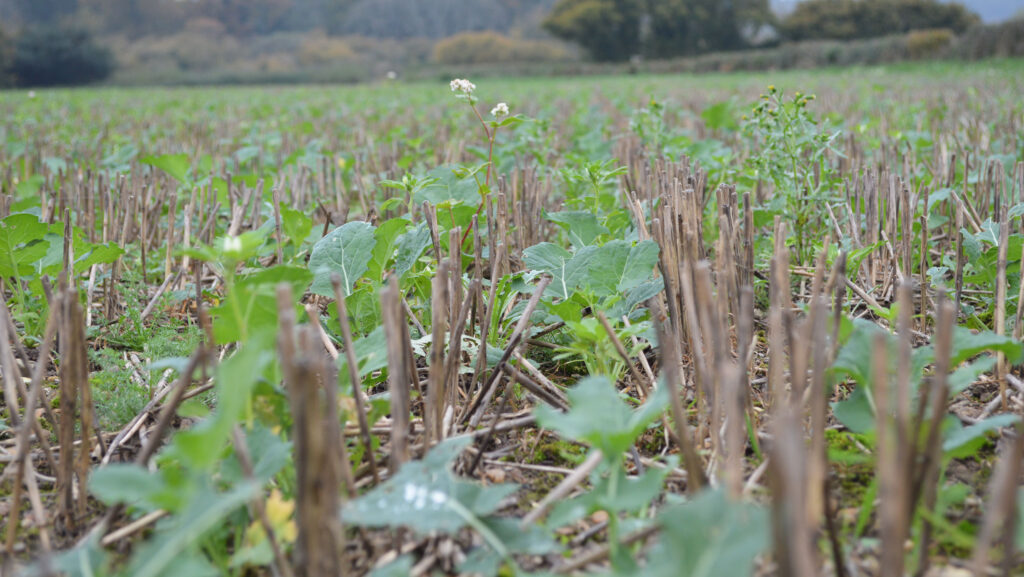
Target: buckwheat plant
463,90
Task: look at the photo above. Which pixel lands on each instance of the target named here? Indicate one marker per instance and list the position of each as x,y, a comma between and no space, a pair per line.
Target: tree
45,12
248,17
618,29
852,19
607,29
423,18
138,18
59,55
6,56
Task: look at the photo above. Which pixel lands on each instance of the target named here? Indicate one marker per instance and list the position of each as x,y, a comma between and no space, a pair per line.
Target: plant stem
490,164
613,519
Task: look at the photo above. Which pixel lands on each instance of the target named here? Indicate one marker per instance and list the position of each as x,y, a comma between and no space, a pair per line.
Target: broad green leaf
619,266
1020,519
554,260
296,225
566,310
21,244
87,559
636,296
856,357
86,253
598,415
720,116
447,186
175,165
124,483
581,226
567,274
246,153
251,304
966,375
532,540
425,496
709,536
972,246
630,494
364,307
390,203
962,437
385,237
97,254
201,446
410,247
161,555
401,567
856,412
371,354
451,215
269,452
345,251
967,343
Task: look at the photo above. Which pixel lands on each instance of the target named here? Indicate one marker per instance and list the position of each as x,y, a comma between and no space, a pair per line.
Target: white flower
232,244
463,86
500,111
31,94
392,75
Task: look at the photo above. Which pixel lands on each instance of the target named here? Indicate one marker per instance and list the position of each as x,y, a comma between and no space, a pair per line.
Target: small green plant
425,496
859,413
464,90
790,152
601,419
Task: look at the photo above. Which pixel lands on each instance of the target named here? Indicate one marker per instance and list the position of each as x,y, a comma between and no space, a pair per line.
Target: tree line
621,29
62,41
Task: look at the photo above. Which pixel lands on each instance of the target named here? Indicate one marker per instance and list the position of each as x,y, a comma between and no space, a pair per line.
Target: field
740,324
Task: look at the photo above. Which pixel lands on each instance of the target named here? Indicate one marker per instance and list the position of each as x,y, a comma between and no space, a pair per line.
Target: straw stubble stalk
669,356
398,373
434,405
999,317
316,432
354,379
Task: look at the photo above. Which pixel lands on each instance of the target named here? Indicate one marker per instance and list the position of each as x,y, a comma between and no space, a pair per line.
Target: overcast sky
990,10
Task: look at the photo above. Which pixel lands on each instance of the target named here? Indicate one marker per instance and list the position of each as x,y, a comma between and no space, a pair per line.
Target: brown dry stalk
353,376
75,405
434,404
23,467
398,373
643,387
1002,505
474,410
999,317
684,438
926,484
258,505
319,550
794,539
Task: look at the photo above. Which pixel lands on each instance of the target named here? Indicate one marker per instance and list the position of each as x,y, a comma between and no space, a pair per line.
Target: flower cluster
462,86
500,111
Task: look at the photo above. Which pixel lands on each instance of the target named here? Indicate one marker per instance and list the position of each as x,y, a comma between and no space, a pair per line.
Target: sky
990,10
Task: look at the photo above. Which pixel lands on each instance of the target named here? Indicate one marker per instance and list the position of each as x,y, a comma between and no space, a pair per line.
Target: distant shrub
492,47
198,47
854,19
1004,40
6,57
922,44
318,48
59,55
